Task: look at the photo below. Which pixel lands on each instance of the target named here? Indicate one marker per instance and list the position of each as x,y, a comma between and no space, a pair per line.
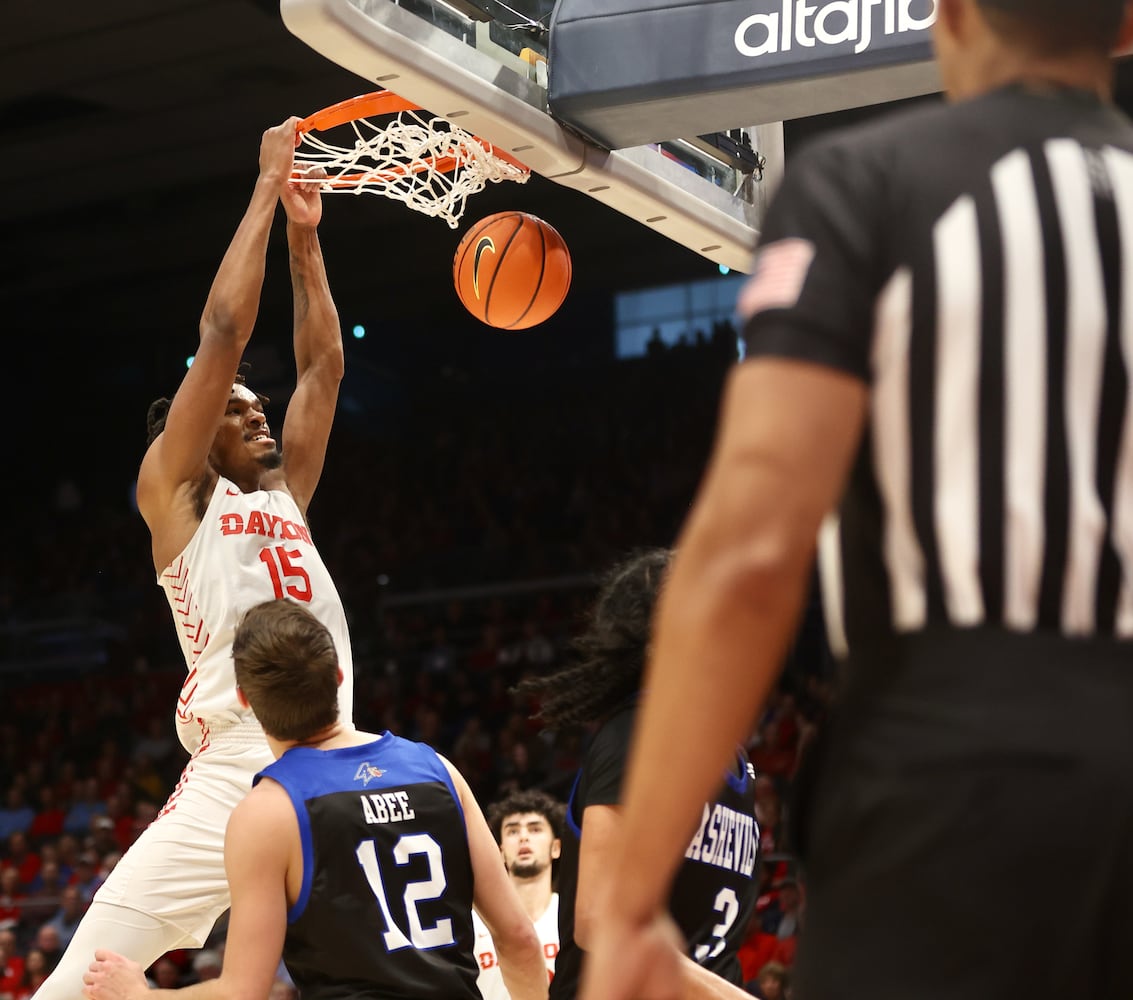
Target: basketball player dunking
227,516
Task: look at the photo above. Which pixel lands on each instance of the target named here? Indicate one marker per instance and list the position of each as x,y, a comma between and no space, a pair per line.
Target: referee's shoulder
874,143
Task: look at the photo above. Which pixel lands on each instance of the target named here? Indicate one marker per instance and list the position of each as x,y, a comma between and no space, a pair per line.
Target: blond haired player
226,509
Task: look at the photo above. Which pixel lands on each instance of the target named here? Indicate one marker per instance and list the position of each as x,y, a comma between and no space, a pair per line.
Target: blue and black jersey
386,900
715,888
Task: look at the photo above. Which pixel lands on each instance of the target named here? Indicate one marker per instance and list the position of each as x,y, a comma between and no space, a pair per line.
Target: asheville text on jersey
725,839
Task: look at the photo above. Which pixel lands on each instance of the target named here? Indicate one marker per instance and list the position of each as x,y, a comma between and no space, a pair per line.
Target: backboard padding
385,44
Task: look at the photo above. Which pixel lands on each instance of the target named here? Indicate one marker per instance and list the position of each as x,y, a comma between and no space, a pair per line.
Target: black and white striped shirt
974,265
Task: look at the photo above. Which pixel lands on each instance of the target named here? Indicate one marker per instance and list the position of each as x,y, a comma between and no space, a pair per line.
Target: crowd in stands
464,551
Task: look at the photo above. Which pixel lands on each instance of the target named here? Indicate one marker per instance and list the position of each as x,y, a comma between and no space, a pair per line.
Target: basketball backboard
453,58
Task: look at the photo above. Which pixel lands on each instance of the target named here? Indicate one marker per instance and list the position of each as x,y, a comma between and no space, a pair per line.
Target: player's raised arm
318,344
180,453
496,900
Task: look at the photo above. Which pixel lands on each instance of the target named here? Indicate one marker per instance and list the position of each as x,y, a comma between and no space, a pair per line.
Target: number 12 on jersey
437,936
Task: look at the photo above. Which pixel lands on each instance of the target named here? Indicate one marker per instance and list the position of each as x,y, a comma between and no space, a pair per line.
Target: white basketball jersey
248,548
491,980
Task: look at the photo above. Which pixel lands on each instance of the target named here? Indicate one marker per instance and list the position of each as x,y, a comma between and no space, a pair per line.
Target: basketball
511,270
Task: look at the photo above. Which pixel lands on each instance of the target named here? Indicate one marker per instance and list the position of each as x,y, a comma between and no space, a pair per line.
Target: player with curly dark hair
527,824
715,892
608,658
527,800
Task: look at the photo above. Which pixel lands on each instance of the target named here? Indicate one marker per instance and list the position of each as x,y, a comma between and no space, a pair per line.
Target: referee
940,345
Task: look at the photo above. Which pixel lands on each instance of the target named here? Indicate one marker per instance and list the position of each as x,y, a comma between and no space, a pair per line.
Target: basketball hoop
426,162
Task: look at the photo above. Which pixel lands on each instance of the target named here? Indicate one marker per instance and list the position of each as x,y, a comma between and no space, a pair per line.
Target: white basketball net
429,164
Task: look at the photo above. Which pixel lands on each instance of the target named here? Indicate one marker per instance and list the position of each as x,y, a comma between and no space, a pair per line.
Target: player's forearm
318,335
698,983
234,298
725,619
523,967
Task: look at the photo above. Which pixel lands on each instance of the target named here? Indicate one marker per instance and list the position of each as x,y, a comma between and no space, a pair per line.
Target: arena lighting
359,331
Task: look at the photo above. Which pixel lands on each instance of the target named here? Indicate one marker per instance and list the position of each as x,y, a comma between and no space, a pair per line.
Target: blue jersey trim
574,827
303,772
455,796
307,844
739,782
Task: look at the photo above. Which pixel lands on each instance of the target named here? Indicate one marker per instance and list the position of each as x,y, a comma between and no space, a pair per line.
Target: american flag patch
780,271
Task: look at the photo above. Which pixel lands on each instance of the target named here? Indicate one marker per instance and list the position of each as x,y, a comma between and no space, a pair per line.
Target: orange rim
386,102
381,102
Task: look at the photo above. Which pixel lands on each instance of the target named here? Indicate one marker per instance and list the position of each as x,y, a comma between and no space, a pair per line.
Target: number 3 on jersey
727,904
283,566
437,936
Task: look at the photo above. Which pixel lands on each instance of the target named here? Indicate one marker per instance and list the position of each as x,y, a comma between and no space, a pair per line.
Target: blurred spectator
48,821
104,835
66,853
44,893
774,754
769,815
206,965
86,878
36,970
16,816
489,651
771,983
47,941
158,745
147,782
536,649
109,862
49,857
513,771
759,948
12,898
440,657
496,703
67,917
121,818
145,812
473,744
85,807
108,771
22,858
781,918
11,964
164,974
65,781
